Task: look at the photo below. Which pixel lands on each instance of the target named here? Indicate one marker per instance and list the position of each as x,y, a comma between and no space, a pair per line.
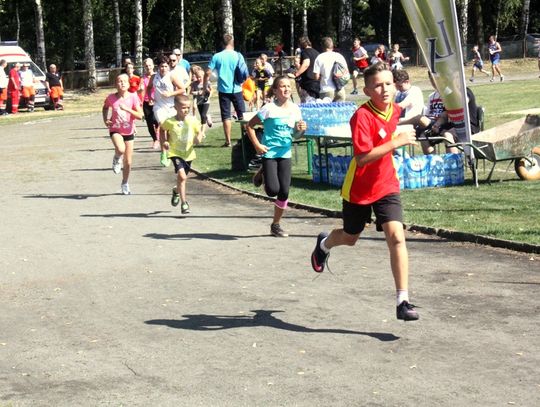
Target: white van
12,53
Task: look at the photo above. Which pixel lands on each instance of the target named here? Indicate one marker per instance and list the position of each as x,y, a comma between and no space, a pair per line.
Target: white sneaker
125,189
117,164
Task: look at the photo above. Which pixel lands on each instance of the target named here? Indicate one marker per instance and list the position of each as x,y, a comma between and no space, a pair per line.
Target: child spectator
478,64
408,97
183,133
55,87
371,184
201,96
376,57
281,120
27,83
360,59
261,76
125,107
3,87
396,58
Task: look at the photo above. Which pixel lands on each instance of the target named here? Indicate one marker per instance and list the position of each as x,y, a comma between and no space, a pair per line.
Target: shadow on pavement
208,236
204,322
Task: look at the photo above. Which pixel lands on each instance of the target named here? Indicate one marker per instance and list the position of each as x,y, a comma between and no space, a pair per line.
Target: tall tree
138,34
117,34
182,22
345,26
464,21
89,54
226,8
390,12
525,24
304,20
40,36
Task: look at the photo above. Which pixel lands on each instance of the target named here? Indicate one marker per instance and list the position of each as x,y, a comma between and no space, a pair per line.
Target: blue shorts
180,163
479,65
225,100
495,59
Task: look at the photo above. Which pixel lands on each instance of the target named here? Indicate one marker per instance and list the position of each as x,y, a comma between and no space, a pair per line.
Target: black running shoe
258,178
406,312
277,231
318,257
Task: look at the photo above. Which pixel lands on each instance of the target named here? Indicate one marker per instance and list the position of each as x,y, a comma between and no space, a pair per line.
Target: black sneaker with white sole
318,257
406,312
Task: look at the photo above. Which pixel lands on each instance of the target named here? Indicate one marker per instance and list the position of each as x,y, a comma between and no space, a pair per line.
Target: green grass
506,209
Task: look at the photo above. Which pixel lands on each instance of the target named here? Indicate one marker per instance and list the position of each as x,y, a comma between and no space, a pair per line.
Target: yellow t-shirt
181,137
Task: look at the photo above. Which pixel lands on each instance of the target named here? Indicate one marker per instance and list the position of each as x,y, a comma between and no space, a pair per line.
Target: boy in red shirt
371,183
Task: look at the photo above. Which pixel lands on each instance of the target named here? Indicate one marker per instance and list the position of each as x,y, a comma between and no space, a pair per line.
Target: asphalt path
112,300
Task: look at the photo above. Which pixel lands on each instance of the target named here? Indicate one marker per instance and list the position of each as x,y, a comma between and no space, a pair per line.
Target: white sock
402,295
323,246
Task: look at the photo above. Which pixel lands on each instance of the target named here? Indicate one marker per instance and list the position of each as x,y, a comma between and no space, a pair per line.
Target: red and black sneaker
318,257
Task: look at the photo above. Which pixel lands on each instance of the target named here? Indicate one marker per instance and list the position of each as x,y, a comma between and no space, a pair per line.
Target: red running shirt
371,128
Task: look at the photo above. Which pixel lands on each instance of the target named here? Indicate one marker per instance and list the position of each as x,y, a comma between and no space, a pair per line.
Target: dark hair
228,39
2,61
373,70
400,75
163,59
275,85
181,98
304,42
327,43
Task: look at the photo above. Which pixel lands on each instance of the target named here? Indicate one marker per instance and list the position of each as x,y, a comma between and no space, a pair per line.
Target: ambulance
12,53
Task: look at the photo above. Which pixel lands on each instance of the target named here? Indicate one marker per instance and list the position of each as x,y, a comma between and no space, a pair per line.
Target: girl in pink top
124,107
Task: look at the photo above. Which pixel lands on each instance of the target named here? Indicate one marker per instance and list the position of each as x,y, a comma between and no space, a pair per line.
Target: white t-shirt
435,106
411,101
323,66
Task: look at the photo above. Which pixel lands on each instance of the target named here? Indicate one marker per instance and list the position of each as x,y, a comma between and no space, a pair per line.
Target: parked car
13,54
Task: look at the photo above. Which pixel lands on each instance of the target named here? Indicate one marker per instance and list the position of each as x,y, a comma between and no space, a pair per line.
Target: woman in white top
166,87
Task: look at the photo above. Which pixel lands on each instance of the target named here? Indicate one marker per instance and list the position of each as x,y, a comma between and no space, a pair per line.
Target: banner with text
435,26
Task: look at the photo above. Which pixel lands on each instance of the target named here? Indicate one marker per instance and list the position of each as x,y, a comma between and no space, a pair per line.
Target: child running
183,133
281,121
478,64
371,183
125,107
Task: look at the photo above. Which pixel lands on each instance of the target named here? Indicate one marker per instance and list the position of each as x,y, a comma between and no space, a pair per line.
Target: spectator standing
124,108
371,184
27,84
495,50
184,63
307,83
148,101
229,91
3,87
478,64
261,76
360,61
179,71
55,87
134,80
14,87
322,70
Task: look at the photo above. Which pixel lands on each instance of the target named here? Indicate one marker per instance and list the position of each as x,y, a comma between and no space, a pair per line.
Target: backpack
340,75
241,72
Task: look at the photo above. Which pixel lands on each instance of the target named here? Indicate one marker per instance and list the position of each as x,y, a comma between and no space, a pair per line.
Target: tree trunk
89,54
525,24
498,18
304,21
291,22
182,31
138,35
40,37
226,7
480,40
390,12
117,36
464,17
345,27
18,21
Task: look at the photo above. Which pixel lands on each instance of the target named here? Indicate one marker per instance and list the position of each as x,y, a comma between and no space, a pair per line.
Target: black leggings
277,177
203,111
150,119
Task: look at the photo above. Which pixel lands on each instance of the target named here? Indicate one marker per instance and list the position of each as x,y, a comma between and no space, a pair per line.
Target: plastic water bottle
436,171
315,168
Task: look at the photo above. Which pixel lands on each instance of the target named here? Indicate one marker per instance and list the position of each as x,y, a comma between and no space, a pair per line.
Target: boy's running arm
402,139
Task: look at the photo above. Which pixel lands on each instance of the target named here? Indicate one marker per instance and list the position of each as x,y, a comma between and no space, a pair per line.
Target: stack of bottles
320,117
337,169
429,170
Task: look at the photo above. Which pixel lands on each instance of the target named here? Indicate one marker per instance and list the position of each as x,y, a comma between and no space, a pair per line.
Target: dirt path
111,300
